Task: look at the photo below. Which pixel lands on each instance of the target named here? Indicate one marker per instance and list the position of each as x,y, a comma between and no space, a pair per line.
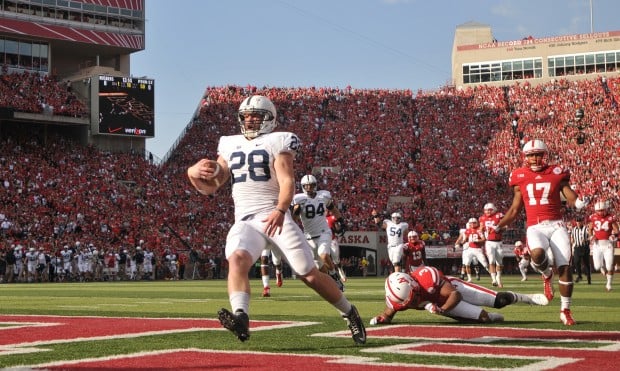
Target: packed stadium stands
35,93
450,150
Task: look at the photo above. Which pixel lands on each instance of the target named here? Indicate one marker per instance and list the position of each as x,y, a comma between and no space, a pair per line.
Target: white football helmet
400,288
472,221
397,217
308,184
518,244
532,147
600,206
490,207
257,104
535,146
412,234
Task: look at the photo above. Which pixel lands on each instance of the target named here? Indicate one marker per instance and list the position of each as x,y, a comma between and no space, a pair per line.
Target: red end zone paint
35,330
200,360
26,333
477,332
598,351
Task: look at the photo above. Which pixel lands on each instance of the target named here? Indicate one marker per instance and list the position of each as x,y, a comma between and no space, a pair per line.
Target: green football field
594,309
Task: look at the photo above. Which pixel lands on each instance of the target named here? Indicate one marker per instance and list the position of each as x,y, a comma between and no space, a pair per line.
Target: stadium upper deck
73,41
478,58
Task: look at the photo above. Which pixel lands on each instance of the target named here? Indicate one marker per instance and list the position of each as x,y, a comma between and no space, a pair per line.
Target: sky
390,44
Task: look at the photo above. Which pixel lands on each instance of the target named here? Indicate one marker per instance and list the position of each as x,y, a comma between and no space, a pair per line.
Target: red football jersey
473,237
413,252
602,225
540,191
430,280
487,222
331,222
522,252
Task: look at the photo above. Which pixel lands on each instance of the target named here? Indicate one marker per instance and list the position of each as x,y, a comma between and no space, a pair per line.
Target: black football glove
341,227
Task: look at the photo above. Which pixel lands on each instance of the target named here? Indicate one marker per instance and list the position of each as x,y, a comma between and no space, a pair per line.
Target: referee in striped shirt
581,250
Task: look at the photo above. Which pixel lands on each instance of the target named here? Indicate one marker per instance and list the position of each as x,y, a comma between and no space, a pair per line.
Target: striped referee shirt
579,236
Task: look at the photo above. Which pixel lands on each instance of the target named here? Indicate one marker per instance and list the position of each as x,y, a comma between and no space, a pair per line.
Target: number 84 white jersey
312,212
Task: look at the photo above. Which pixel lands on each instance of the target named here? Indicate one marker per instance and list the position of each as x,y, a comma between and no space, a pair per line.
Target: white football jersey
66,256
254,185
31,257
395,232
312,212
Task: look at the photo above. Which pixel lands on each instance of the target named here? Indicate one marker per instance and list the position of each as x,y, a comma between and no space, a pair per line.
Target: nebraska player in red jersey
522,254
414,252
472,240
603,227
493,243
427,288
337,230
538,187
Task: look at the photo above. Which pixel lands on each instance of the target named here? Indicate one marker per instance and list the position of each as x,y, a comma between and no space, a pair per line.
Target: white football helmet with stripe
400,288
257,104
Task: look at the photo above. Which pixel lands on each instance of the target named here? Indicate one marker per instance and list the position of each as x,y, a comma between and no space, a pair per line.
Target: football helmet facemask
257,104
397,217
532,147
308,184
490,207
600,206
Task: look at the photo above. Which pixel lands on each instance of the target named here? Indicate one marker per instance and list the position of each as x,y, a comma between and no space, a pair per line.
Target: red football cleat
548,285
279,279
266,292
567,317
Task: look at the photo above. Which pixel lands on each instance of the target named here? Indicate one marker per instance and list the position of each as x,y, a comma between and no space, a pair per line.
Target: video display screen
126,106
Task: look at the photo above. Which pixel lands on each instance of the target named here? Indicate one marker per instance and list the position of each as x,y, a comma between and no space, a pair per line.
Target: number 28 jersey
540,191
255,187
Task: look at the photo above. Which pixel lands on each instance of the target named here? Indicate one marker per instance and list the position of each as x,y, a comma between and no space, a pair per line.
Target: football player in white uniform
311,208
67,269
18,269
31,264
148,264
259,165
396,230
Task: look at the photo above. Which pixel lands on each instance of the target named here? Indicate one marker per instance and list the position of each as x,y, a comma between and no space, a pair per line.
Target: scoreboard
126,106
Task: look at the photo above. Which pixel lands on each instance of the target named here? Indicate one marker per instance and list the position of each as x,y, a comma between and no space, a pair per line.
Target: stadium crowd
449,150
36,93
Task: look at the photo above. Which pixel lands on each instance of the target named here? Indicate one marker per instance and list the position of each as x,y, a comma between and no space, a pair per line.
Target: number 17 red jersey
540,191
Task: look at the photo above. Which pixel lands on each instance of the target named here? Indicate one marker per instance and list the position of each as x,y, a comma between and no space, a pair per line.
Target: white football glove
581,203
433,308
